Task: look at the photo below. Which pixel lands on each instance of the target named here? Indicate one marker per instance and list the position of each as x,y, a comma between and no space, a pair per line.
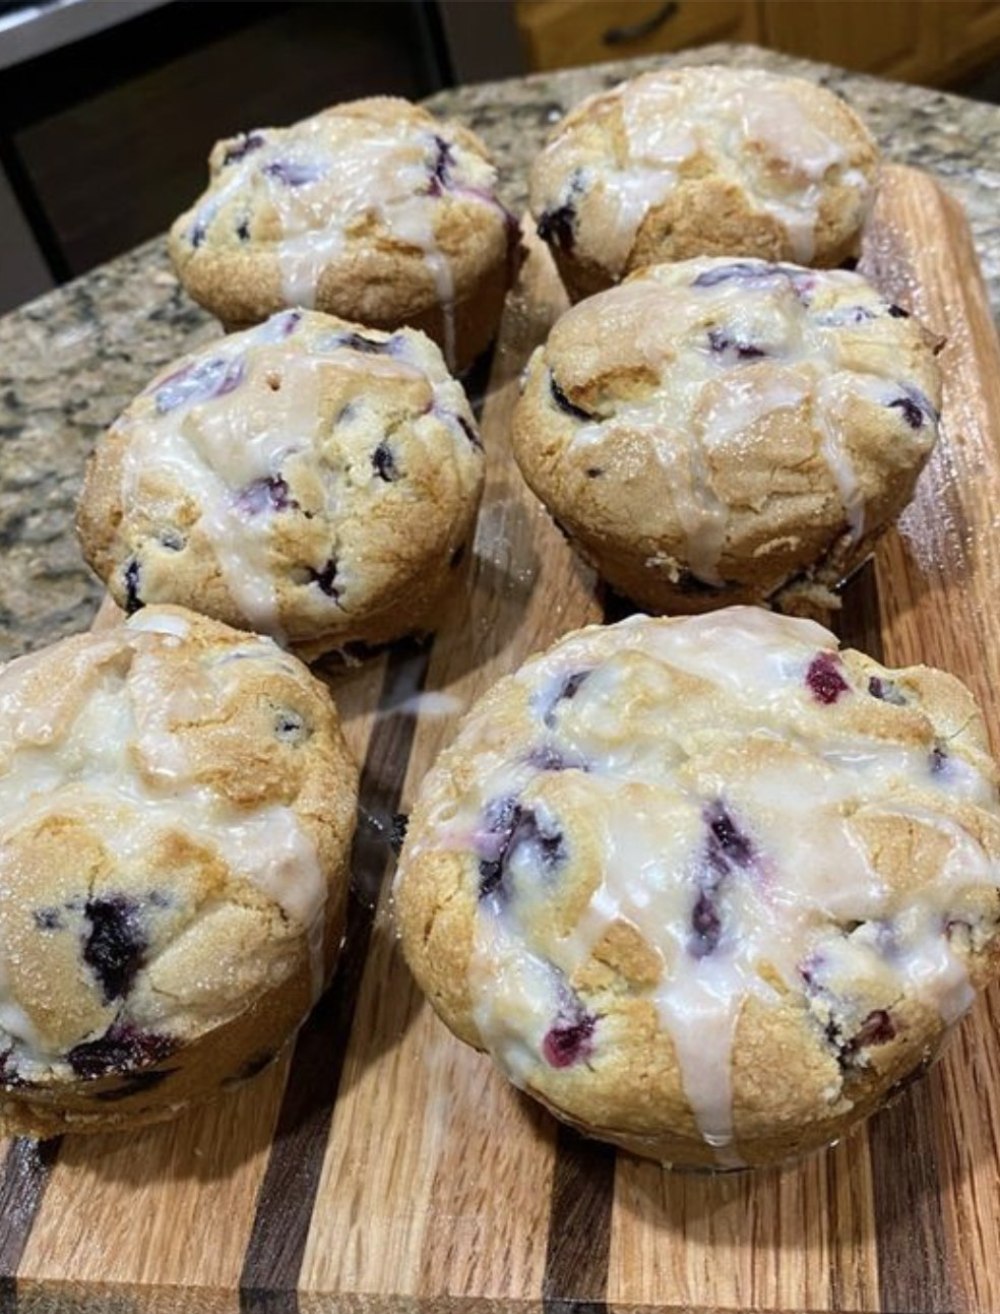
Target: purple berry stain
9,1075
384,463
120,1049
397,831
199,381
742,271
915,408
724,344
131,577
115,944
242,146
469,431
293,173
824,679
739,272
291,728
263,495
279,326
706,926
547,758
564,403
845,315
877,1028
368,346
510,828
556,227
566,692
728,848
727,852
441,167
911,412
326,579
885,691
570,1039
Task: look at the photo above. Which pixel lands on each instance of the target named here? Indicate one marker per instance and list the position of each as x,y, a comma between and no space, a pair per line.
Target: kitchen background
108,107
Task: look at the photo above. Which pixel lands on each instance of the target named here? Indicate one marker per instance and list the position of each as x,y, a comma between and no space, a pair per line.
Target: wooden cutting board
382,1165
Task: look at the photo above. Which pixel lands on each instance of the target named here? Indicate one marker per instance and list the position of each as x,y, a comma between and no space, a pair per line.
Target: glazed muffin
722,431
307,478
707,887
707,161
176,805
372,210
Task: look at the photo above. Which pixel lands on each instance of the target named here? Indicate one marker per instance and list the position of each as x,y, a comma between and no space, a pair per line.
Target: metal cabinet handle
620,36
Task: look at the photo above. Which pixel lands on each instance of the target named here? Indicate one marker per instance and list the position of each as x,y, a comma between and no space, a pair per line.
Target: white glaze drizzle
705,406
671,117
345,169
113,758
644,796
215,445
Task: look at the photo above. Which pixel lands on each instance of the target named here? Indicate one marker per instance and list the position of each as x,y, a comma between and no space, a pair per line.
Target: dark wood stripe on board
579,1241
23,1178
288,1192
909,1222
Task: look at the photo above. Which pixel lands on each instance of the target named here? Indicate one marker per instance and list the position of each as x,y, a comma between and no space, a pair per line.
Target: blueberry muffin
176,809
707,887
307,478
372,210
720,431
706,161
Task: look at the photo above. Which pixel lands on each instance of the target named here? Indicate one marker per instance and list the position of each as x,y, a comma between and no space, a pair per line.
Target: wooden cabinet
561,33
927,41
892,38
968,29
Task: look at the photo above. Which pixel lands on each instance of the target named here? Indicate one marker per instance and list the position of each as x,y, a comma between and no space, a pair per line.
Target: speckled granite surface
71,360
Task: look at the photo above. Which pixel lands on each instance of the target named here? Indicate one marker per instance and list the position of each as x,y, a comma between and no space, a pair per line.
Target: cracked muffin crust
176,807
707,161
372,210
707,887
308,479
719,431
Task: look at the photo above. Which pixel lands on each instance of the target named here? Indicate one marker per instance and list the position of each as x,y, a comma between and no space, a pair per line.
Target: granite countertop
72,359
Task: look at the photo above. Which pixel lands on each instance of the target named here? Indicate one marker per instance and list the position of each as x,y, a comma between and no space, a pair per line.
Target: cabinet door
560,33
969,32
892,37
